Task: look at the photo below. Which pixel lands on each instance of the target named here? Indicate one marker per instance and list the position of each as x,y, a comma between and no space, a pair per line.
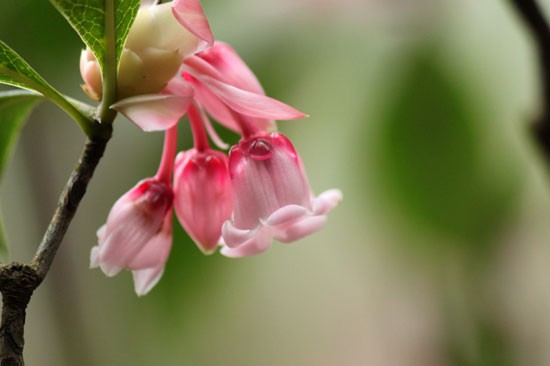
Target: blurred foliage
15,108
188,270
36,31
430,151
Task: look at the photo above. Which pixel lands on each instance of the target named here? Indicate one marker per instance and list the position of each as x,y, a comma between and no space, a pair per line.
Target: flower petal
299,229
248,103
154,112
286,214
214,105
133,221
156,251
233,237
204,196
190,14
94,257
101,233
178,86
326,201
231,67
146,279
258,243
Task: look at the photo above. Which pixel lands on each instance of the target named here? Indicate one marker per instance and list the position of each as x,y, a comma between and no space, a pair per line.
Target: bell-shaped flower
272,197
202,188
203,195
138,232
161,36
137,235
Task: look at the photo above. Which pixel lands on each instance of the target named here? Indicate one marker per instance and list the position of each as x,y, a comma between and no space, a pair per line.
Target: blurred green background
438,255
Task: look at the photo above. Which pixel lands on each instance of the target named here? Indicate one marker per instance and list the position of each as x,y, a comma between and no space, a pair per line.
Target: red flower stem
200,140
248,128
166,167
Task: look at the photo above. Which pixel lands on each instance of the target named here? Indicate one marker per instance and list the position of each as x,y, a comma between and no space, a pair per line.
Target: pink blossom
204,196
137,235
138,232
272,197
221,83
190,14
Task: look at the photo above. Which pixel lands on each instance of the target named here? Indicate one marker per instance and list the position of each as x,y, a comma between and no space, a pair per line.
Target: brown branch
540,31
68,203
18,281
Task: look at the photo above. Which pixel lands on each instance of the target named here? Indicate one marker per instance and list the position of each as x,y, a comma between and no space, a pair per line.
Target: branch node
17,283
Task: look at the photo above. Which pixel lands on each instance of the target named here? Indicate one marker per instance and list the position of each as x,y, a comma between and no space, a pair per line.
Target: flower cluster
171,67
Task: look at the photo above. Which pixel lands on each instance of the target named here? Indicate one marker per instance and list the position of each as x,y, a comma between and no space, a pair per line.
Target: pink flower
204,198
226,87
220,83
272,197
138,232
137,235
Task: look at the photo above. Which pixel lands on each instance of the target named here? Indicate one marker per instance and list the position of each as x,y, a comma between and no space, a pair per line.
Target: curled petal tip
326,201
191,15
300,228
249,103
109,269
207,251
233,237
256,242
286,214
94,257
146,279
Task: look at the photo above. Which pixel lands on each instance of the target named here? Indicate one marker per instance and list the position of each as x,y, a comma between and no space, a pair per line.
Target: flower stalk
164,173
200,141
105,113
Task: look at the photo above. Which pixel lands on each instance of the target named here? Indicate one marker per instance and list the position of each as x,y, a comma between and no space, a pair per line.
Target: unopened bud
156,46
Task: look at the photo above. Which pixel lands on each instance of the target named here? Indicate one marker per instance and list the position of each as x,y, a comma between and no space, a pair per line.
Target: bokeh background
438,255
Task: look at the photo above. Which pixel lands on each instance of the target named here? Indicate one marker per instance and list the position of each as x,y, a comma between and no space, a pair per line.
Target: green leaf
17,72
15,108
125,13
89,19
14,70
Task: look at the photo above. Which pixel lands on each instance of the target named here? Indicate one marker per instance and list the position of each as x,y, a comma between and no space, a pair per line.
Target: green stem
105,114
86,123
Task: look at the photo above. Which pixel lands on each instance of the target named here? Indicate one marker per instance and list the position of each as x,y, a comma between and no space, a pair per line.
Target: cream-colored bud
131,75
154,51
161,65
161,43
146,72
